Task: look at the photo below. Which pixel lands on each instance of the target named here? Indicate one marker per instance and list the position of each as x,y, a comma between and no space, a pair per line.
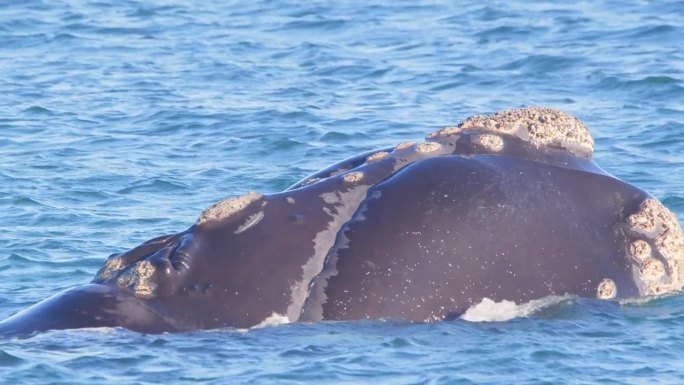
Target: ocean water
122,120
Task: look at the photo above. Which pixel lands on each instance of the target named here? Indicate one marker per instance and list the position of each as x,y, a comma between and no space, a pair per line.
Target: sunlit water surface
120,121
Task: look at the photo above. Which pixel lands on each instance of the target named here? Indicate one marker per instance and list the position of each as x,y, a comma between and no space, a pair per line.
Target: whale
507,206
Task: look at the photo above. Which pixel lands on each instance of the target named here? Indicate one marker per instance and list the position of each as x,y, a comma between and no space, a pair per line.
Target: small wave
314,24
7,359
61,37
38,110
648,84
488,310
674,202
156,185
653,31
25,201
543,63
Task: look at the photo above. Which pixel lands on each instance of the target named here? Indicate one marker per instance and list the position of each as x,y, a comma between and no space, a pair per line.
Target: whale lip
87,306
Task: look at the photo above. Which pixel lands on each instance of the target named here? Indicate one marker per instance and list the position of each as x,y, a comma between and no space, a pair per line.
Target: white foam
272,320
490,311
647,299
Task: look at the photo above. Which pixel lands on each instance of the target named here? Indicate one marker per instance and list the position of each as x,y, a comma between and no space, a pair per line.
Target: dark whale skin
506,207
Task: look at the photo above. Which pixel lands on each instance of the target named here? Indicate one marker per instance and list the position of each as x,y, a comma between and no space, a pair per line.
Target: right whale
507,207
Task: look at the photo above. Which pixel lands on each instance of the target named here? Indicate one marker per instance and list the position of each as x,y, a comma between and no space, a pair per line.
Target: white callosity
536,125
227,207
657,250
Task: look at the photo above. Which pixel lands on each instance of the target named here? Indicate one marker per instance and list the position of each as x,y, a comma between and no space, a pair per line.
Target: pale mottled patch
645,221
227,207
652,270
640,250
137,279
657,267
353,177
377,156
404,146
111,267
606,289
488,142
540,126
446,131
428,147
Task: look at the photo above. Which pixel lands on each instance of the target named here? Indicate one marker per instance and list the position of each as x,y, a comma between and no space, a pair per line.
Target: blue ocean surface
122,120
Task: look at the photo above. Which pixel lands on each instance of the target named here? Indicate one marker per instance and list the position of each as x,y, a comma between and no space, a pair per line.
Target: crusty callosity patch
377,156
227,207
606,289
640,251
112,266
428,147
488,142
137,279
446,131
404,146
657,252
537,125
352,177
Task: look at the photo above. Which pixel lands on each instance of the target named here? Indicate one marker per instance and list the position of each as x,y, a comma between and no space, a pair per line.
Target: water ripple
121,120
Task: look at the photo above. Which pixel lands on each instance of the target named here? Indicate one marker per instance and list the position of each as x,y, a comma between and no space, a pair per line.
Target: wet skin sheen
419,232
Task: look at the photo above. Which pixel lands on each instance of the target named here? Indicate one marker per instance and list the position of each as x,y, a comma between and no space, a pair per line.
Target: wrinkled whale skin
508,207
